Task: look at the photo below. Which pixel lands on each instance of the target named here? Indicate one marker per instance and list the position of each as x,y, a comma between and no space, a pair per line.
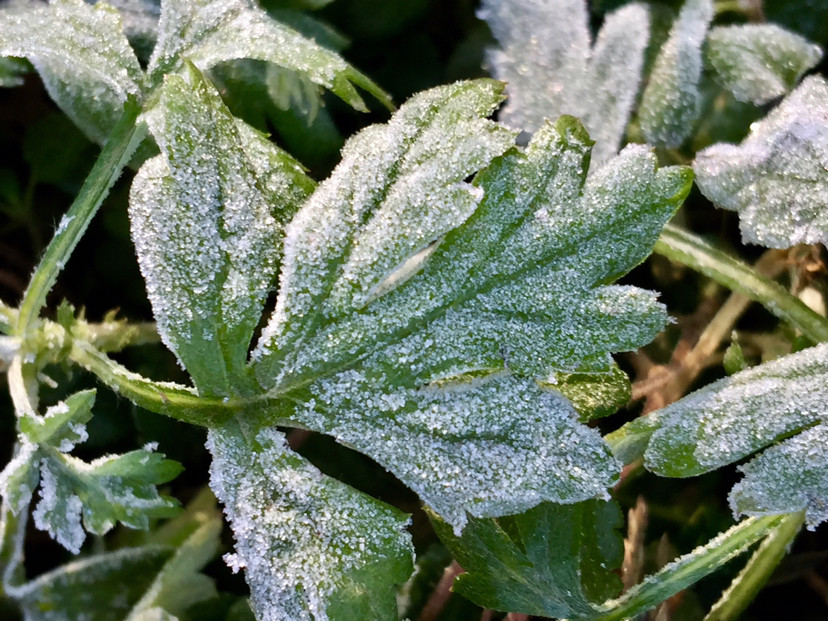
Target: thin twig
441,594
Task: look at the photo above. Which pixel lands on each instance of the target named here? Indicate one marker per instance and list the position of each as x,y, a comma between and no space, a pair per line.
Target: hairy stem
685,248
114,156
757,570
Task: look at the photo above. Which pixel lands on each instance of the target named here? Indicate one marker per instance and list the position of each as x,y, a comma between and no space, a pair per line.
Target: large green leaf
81,54
547,58
671,103
759,62
777,179
552,561
206,219
733,418
311,547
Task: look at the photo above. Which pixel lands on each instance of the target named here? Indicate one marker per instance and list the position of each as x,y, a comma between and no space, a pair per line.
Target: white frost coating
58,513
546,59
494,447
777,179
759,62
19,478
82,55
732,418
789,477
299,534
671,102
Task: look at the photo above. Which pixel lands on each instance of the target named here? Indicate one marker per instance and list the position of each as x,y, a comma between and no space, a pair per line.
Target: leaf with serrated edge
552,561
209,32
312,547
82,55
546,59
758,62
671,103
730,419
777,179
207,240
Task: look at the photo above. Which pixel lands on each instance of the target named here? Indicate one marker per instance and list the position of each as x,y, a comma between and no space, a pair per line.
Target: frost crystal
547,60
306,541
777,179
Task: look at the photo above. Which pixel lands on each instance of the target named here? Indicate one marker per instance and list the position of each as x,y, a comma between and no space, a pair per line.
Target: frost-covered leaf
103,587
19,478
671,103
546,57
312,548
77,496
140,19
552,561
777,179
206,219
63,425
519,286
759,62
209,32
730,419
82,55
594,395
12,71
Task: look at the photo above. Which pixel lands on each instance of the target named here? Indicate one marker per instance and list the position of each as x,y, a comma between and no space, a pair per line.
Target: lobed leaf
777,178
207,238
82,55
671,103
759,62
744,413
547,58
311,547
552,561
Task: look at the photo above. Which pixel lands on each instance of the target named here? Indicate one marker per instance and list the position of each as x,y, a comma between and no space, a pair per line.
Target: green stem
689,569
116,152
12,532
685,248
758,569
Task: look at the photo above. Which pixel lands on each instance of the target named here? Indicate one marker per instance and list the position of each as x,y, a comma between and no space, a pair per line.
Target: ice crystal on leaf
733,418
547,58
777,179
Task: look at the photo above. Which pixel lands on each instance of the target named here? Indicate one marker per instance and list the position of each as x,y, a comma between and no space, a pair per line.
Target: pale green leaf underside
777,179
547,58
759,62
82,55
312,548
206,220
209,32
739,415
671,103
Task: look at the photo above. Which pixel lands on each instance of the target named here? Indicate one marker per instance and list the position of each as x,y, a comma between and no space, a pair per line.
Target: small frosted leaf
787,478
103,587
671,103
82,55
738,415
209,32
207,240
495,446
777,179
63,425
759,62
546,58
312,548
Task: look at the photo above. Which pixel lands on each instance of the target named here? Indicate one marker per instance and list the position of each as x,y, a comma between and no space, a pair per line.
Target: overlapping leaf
671,103
731,419
552,561
547,58
759,62
777,179
312,547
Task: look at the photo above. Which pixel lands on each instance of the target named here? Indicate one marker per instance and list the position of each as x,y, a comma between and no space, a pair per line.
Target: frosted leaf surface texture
730,419
758,62
547,58
308,543
777,178
82,55
671,103
207,240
